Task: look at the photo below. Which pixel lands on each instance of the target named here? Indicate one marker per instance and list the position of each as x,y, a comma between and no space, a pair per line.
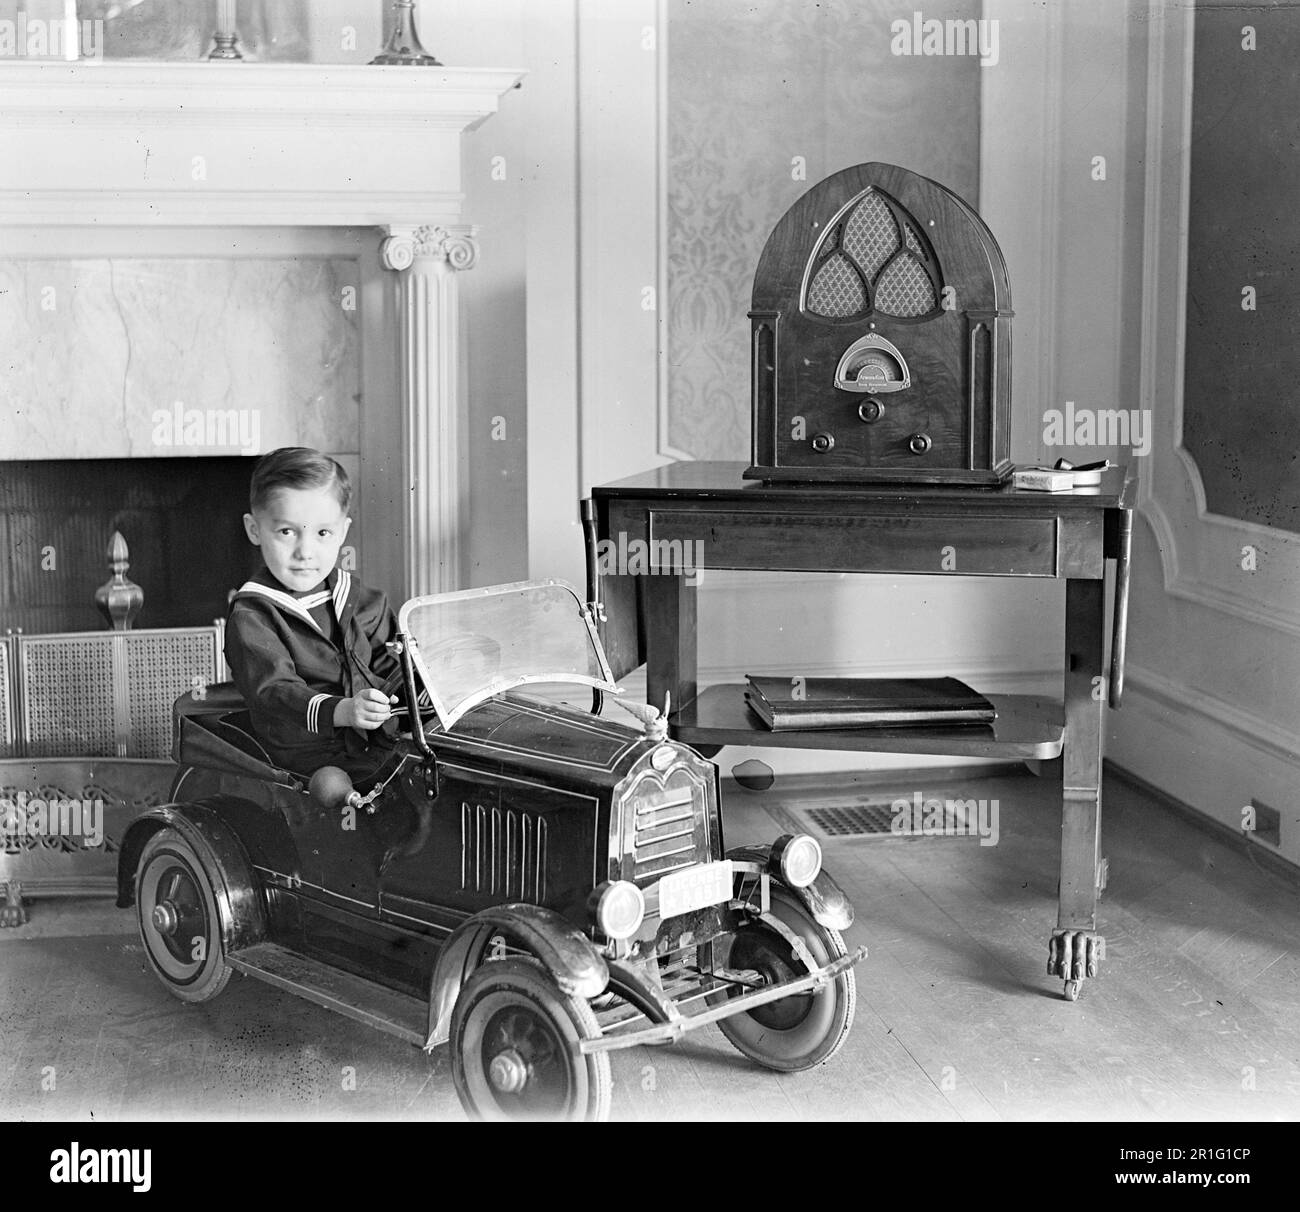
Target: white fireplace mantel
237,143
92,149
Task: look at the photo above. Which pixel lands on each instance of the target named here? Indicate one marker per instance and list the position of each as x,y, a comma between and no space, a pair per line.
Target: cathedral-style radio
881,338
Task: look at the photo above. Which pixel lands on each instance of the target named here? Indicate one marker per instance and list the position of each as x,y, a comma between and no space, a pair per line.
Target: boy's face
300,531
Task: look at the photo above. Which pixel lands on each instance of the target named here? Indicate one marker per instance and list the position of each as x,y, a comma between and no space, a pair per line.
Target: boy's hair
297,467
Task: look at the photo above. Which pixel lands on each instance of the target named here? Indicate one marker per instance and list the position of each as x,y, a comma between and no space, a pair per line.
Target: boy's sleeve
267,678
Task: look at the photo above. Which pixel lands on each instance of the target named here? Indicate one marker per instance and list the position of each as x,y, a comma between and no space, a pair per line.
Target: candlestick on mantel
226,35
403,48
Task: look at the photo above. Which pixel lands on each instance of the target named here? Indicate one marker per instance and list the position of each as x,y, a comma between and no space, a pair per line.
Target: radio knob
919,443
871,410
822,442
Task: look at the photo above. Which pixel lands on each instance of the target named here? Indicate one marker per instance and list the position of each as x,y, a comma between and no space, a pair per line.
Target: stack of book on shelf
792,703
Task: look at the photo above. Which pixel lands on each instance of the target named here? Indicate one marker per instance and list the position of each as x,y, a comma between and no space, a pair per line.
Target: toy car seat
216,731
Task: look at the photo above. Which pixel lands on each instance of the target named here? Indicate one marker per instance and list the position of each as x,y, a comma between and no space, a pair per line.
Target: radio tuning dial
871,410
919,443
822,442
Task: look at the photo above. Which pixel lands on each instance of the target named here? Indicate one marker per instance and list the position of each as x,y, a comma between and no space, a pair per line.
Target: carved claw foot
12,912
1075,955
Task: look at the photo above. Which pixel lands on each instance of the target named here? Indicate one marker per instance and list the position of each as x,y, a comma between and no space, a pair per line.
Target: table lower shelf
1026,727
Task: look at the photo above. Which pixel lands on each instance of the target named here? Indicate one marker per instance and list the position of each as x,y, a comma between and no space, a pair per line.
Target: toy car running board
370,1003
676,1028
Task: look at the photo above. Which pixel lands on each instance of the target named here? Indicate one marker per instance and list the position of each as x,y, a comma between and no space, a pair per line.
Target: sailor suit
296,656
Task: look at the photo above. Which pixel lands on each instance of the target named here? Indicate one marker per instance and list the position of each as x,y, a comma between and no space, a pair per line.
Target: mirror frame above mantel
146,146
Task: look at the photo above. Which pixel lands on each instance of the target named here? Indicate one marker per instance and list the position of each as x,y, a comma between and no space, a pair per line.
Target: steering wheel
395,684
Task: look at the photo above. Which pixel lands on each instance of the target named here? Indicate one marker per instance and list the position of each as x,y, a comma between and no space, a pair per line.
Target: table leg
1076,949
670,640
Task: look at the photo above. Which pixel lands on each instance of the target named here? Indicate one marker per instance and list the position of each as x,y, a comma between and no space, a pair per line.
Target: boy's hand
367,709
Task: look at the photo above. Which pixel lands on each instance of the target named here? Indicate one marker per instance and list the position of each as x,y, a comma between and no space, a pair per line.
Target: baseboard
1265,856
1216,760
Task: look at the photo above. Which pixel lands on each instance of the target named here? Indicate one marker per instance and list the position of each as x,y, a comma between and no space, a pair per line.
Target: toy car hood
473,644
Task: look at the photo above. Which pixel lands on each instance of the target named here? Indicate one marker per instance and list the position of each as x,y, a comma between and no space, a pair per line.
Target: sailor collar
300,607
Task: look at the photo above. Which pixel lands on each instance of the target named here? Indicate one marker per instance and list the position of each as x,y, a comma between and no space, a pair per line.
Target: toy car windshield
470,645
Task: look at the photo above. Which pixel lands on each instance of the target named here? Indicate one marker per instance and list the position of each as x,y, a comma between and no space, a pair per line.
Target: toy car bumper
676,1027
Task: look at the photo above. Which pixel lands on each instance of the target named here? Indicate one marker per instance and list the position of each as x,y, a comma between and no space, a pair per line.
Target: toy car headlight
798,857
619,909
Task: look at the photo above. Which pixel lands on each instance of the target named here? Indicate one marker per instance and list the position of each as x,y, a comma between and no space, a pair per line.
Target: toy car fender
823,898
243,921
573,962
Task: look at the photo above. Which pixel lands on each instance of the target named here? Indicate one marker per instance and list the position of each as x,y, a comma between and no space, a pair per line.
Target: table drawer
990,545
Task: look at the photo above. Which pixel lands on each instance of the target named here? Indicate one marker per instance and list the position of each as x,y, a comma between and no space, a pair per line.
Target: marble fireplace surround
282,160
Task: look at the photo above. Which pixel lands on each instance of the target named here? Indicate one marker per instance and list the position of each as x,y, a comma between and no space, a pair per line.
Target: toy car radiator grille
671,831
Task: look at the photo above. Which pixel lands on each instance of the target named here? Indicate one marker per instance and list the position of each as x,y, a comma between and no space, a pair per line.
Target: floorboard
1196,1014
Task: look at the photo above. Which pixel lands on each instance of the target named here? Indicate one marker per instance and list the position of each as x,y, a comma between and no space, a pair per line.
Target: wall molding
1247,727
1201,551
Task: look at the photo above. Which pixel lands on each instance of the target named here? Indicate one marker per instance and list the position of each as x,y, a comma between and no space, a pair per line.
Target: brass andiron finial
119,599
226,35
403,48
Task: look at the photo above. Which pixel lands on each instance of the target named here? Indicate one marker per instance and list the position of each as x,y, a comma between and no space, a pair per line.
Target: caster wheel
1072,990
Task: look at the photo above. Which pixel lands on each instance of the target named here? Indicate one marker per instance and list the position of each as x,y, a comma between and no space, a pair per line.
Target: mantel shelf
237,143
47,94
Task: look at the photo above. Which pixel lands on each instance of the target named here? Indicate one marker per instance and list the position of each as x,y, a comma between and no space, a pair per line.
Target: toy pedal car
532,883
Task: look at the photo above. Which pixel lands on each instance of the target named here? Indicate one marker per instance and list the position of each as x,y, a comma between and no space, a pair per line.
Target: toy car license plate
694,888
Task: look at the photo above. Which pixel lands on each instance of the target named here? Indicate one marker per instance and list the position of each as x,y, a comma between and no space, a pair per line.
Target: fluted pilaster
428,261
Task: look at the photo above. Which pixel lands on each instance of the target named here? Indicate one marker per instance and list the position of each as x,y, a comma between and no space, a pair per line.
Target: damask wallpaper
765,98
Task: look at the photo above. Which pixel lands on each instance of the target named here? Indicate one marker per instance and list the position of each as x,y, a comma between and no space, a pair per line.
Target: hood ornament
655,721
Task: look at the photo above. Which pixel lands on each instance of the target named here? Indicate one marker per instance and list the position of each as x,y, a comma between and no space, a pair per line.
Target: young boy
305,640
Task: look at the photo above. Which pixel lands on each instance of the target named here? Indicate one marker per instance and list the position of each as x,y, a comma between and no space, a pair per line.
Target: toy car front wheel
515,1047
805,1029
179,923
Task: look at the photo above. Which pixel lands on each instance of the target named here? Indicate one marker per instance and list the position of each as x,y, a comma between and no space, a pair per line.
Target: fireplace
277,243
168,231
181,522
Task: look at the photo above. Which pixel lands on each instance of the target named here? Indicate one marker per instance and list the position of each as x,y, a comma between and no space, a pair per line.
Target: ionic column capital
402,245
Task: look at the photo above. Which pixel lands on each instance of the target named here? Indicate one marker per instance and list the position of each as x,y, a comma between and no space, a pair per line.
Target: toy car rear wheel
803,1030
180,925
515,1047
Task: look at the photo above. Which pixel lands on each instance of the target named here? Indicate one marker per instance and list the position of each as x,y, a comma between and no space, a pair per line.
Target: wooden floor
1196,1014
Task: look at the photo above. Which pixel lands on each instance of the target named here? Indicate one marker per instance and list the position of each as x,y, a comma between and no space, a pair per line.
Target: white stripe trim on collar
285,601
342,587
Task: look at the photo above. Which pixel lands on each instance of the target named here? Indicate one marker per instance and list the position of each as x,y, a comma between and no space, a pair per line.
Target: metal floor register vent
874,818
